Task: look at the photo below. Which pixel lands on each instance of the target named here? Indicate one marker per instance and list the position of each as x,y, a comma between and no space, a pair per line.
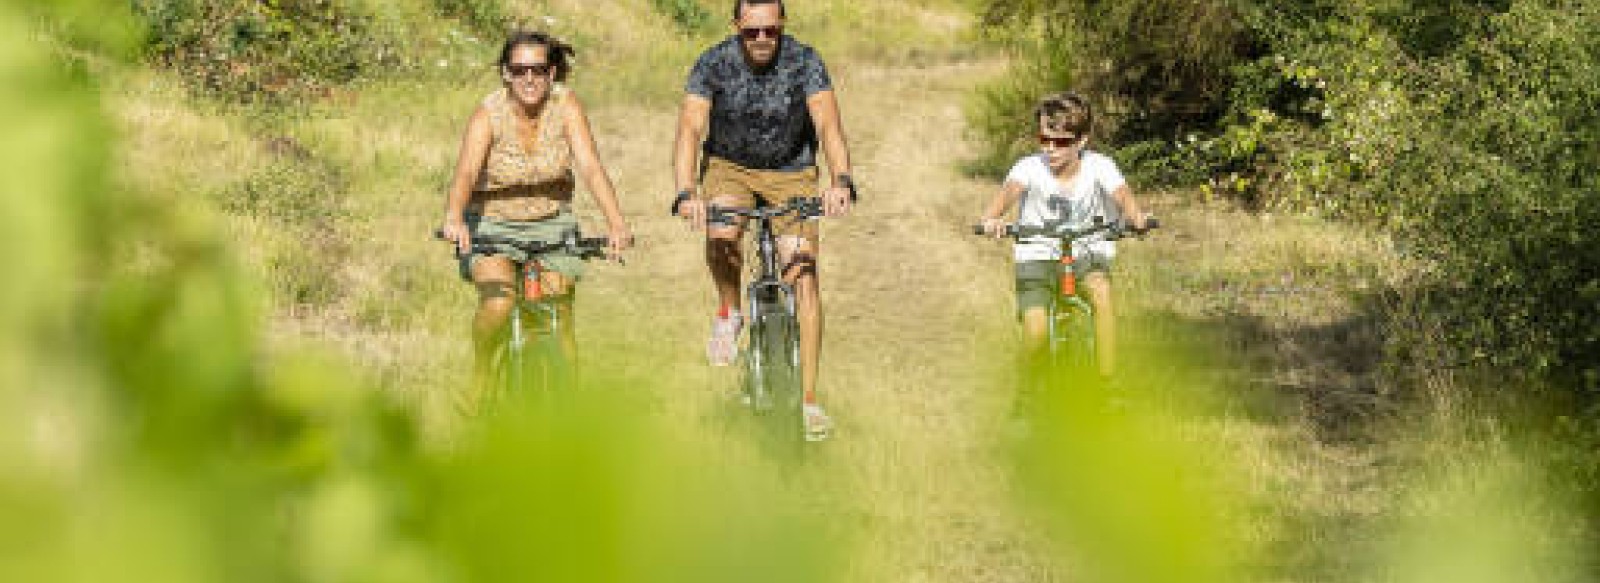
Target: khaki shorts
545,230
742,187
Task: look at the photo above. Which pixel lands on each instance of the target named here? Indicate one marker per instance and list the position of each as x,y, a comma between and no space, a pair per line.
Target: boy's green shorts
1036,284
545,230
1039,281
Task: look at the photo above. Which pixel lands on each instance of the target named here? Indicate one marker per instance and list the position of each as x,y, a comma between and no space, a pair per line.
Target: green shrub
1470,128
690,16
484,16
245,50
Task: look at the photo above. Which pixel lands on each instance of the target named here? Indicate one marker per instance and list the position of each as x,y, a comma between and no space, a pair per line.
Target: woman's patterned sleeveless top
522,181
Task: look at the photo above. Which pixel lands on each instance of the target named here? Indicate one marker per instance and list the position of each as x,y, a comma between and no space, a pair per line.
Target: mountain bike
771,358
1070,314
530,359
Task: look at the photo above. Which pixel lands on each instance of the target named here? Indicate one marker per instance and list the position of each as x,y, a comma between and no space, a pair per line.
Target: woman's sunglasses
537,69
1059,142
756,32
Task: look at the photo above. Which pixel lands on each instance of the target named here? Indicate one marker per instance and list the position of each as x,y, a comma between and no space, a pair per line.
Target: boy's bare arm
1129,205
1004,199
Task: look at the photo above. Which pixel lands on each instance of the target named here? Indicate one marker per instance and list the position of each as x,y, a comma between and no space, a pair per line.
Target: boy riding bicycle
1069,185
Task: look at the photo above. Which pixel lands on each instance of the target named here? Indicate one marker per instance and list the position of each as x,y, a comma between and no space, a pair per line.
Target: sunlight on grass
237,361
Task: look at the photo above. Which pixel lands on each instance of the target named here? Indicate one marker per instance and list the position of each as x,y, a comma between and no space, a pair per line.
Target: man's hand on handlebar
692,210
836,200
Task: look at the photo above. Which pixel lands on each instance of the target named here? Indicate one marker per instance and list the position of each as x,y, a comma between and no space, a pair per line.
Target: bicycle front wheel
1072,338
773,360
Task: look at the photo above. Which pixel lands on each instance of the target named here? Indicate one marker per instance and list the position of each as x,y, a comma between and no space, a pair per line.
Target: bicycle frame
767,286
510,366
1069,315
1066,310
543,316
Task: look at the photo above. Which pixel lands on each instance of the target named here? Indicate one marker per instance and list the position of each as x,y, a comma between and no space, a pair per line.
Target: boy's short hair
1066,111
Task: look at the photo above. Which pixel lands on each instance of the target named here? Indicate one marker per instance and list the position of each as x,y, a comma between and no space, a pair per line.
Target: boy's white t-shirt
1085,196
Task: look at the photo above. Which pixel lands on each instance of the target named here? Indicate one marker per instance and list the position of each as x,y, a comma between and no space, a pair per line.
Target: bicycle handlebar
1114,231
804,208
583,247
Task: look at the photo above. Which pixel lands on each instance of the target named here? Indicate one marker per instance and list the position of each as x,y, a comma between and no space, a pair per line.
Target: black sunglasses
538,69
756,32
1059,142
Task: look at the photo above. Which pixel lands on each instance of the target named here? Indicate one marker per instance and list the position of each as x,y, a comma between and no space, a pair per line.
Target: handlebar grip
438,234
979,230
1151,223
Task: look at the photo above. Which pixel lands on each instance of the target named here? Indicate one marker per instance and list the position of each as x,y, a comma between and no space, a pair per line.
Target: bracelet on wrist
677,201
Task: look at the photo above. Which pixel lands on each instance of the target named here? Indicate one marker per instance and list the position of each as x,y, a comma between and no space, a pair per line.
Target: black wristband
683,195
847,182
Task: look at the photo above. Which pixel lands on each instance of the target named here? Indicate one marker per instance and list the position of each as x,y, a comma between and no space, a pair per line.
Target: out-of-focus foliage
1468,128
146,434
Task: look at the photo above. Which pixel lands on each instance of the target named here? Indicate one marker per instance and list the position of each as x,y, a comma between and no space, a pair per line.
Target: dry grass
1264,317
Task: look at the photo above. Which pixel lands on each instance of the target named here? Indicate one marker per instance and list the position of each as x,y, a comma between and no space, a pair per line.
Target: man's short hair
738,6
1066,111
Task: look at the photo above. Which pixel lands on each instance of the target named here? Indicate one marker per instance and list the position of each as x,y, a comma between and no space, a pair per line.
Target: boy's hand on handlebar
993,227
1145,224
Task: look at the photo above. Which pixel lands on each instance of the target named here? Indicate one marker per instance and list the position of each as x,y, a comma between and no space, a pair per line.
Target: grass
1253,339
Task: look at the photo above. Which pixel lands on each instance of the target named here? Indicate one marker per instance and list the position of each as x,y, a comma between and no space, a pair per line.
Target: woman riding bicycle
514,180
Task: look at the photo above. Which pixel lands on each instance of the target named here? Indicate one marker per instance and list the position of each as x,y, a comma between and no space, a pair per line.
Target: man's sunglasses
1059,142
756,32
538,69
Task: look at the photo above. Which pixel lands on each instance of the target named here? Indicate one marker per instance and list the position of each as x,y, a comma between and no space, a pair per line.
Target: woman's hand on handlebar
455,230
618,239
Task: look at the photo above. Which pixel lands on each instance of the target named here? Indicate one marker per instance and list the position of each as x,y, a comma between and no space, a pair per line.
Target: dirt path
913,305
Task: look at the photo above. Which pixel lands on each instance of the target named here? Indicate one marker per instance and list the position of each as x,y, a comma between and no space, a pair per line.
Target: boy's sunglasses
1059,142
538,69
756,32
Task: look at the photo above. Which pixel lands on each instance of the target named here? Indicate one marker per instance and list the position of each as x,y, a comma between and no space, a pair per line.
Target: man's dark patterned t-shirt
759,119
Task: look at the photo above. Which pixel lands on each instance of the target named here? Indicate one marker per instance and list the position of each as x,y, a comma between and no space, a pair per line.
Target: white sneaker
818,425
724,343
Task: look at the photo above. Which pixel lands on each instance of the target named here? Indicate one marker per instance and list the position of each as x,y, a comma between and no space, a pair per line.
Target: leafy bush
484,16
1469,128
690,16
246,50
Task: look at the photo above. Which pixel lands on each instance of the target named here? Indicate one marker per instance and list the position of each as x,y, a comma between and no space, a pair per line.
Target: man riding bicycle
756,105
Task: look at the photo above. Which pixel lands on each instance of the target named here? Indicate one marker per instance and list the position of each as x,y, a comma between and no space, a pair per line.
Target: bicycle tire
545,362
782,344
533,366
1072,345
